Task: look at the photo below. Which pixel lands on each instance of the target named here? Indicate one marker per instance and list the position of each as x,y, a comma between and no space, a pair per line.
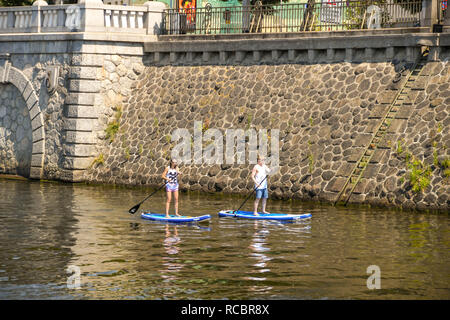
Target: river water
47,227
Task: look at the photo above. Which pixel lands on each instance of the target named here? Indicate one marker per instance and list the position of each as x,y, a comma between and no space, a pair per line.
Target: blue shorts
172,187
262,193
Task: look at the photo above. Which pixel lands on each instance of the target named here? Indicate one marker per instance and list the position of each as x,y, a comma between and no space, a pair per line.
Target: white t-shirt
261,173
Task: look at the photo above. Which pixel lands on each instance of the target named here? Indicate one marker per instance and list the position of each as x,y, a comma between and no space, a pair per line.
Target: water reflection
258,247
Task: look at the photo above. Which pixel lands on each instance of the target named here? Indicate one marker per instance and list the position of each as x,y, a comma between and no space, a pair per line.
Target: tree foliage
15,3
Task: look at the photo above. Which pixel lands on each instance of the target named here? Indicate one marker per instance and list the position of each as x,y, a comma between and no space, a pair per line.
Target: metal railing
321,16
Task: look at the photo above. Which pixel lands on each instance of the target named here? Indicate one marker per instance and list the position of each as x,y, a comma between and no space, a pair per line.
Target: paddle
136,207
234,212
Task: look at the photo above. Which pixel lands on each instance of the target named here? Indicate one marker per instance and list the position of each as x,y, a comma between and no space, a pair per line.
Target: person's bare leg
255,206
264,201
169,198
175,197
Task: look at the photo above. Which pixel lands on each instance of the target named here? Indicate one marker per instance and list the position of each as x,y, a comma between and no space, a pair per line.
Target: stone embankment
326,114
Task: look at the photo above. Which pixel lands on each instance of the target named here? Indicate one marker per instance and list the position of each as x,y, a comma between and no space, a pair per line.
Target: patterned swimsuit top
172,175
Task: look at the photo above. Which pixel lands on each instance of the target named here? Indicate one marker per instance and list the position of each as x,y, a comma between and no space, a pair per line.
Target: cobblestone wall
326,114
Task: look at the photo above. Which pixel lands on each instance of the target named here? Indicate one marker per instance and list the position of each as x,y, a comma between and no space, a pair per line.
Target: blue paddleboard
263,216
173,218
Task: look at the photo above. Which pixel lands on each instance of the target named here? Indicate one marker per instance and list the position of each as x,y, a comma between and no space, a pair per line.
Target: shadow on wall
15,132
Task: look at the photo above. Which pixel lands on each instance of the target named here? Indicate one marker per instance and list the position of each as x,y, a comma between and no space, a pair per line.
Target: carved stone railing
85,16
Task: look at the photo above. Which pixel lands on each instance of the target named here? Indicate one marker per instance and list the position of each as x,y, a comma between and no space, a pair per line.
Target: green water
47,227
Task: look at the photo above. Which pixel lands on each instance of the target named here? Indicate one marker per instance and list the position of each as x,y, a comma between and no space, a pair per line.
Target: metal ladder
379,132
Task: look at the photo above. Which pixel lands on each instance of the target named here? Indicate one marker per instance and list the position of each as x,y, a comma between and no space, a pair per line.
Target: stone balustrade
125,18
88,16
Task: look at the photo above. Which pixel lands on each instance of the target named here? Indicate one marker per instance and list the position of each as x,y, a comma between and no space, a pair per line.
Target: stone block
37,121
89,86
371,170
36,172
78,150
32,100
88,60
336,185
397,126
87,99
355,154
256,56
223,55
37,160
80,111
18,79
291,55
362,140
345,169
359,188
38,134
34,111
80,137
78,124
76,162
379,111
356,198
28,90
388,141
404,112
419,84
38,147
410,97
377,156
372,125
386,97
83,72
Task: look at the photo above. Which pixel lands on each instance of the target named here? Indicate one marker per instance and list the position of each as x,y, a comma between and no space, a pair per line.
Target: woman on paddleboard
171,174
259,176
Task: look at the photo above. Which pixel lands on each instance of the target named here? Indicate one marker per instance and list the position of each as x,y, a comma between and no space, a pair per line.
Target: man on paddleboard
171,174
259,176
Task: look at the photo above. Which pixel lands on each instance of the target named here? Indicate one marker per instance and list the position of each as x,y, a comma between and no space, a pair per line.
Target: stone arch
10,74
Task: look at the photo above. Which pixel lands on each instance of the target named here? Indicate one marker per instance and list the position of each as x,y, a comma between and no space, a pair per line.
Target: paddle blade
134,209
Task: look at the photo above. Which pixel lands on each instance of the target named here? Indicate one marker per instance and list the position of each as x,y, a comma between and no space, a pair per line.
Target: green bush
419,176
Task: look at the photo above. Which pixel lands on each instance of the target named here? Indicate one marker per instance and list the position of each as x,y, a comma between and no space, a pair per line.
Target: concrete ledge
287,35
315,42
326,47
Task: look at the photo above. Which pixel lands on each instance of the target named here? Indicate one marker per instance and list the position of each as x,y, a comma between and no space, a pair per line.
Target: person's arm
254,172
164,175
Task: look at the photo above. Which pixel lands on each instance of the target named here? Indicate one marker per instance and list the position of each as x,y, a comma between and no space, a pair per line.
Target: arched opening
15,132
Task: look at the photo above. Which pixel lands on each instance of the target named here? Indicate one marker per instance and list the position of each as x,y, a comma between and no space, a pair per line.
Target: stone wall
325,112
115,107
44,110
15,132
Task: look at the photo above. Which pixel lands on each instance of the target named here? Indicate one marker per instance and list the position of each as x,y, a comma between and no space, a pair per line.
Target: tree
15,3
